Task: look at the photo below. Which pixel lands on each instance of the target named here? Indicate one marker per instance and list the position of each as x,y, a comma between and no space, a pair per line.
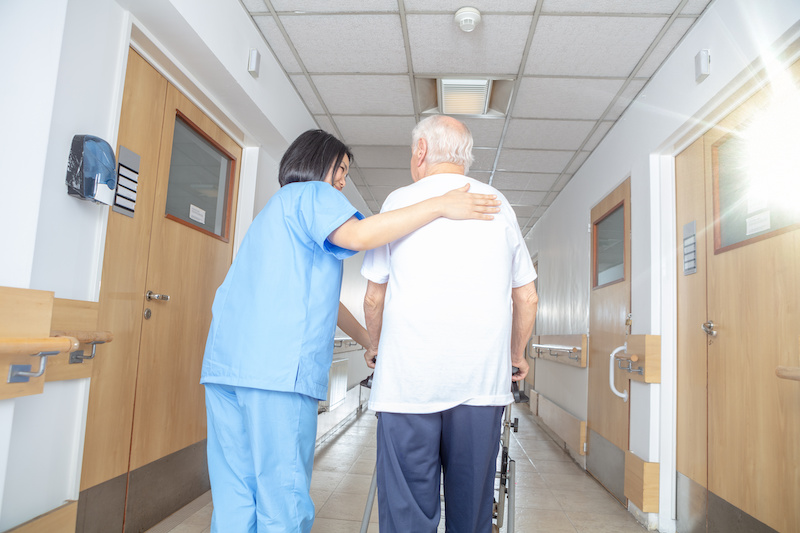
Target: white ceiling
576,65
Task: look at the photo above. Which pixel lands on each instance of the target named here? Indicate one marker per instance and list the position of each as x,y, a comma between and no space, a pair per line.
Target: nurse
270,344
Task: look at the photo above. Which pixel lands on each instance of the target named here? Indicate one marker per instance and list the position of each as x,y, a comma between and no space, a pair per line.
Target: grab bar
613,355
36,347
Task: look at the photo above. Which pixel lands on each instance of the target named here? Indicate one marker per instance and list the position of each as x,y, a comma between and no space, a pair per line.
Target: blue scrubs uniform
267,359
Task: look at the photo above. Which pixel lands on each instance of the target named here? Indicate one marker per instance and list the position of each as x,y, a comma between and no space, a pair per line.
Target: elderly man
450,308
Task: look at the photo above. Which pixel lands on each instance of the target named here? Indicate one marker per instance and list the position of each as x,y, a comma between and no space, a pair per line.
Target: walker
506,474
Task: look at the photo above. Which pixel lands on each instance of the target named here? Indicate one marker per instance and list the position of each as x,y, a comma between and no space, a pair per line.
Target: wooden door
750,249
186,262
143,457
610,303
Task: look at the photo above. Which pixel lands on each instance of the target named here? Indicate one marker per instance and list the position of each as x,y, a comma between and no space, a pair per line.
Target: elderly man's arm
525,302
373,314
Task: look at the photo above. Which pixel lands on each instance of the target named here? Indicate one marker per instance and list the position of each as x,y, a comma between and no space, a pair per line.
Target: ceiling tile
365,95
695,7
375,207
598,135
480,175
387,177
255,6
278,44
610,6
531,197
625,99
579,160
385,131
590,46
564,98
522,221
366,194
325,123
340,6
533,161
484,6
524,181
438,46
539,211
484,158
524,211
356,177
486,132
307,94
672,36
547,134
367,43
383,156
550,198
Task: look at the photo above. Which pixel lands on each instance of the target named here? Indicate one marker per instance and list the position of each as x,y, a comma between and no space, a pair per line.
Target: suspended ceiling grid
576,65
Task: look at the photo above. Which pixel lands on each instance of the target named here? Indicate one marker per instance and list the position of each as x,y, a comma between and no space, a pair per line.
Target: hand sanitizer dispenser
91,170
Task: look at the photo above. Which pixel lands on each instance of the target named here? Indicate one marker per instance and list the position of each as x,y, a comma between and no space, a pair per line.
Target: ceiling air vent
464,97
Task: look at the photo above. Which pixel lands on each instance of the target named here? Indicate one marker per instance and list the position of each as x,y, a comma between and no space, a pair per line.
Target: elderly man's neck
444,168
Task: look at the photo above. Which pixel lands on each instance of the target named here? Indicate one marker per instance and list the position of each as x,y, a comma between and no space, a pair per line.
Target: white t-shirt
446,335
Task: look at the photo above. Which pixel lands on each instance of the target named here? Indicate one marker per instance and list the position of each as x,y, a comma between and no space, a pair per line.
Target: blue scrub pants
462,443
260,456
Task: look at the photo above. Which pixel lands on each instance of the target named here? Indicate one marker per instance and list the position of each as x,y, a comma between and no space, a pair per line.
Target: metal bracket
22,373
629,368
78,357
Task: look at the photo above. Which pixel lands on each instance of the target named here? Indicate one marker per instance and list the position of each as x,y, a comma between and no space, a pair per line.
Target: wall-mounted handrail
84,337
556,347
42,347
31,345
788,372
613,355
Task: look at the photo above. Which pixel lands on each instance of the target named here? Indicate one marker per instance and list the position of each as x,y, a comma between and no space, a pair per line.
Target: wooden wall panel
72,315
564,424
641,483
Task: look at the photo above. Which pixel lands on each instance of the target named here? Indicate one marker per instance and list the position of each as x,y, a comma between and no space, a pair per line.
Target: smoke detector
467,18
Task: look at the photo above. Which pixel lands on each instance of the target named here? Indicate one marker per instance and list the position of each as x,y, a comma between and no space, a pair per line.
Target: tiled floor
553,494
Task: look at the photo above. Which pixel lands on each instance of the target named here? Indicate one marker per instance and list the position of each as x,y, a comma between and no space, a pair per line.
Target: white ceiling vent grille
464,97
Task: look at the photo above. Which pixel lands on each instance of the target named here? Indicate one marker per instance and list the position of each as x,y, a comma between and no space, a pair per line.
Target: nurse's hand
370,356
459,204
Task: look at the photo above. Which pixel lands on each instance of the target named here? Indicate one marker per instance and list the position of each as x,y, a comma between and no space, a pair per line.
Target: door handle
708,327
153,296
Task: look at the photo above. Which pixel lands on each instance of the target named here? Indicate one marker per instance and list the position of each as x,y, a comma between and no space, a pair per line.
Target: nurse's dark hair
310,157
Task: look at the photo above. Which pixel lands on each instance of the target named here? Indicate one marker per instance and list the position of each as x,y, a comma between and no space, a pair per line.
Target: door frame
665,256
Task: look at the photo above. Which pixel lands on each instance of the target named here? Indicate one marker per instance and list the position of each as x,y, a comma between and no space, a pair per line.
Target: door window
199,181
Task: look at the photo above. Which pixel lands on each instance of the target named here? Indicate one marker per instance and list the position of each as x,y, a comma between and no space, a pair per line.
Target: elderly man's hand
370,356
523,367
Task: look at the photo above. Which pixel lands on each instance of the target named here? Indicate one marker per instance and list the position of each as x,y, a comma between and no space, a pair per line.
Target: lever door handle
153,296
708,327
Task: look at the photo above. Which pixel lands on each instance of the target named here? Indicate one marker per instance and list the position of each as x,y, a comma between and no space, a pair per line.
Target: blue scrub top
274,316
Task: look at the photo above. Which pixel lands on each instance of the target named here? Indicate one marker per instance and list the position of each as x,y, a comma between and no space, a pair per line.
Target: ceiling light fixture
467,18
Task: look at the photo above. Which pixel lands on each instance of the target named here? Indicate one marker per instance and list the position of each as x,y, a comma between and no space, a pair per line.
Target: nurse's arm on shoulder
384,228
525,301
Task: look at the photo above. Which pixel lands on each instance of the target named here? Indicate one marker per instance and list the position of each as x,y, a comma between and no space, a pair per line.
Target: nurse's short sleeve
323,209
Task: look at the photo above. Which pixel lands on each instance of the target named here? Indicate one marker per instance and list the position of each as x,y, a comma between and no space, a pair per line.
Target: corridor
554,495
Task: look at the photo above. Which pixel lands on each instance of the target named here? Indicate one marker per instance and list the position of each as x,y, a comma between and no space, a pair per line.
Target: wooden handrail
788,372
31,346
85,337
627,357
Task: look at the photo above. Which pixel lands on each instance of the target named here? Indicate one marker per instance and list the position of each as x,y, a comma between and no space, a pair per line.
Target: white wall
736,32
66,60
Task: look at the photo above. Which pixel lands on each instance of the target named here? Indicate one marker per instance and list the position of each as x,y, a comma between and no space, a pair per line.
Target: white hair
446,143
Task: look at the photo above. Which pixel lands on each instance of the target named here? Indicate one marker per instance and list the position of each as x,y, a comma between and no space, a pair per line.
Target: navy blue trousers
414,449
